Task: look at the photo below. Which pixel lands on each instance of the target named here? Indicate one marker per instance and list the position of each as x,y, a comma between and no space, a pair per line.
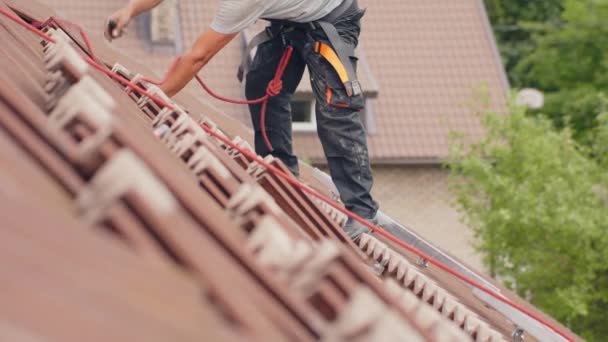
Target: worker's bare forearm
185,70
136,7
205,47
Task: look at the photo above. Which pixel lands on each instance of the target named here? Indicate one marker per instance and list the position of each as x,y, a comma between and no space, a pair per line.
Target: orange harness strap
330,55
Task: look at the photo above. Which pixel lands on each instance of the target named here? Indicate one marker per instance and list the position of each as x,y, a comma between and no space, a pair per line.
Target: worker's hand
117,23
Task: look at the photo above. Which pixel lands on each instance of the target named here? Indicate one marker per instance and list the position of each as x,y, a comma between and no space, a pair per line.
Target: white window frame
164,17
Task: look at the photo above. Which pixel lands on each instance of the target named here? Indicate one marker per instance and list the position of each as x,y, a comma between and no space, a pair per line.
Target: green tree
561,48
570,64
537,203
515,22
600,147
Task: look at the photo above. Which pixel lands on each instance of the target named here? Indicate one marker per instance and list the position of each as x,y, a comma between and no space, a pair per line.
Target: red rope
291,180
274,88
25,25
225,99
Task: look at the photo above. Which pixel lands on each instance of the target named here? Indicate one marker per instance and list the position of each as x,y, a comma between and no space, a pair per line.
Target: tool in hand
111,28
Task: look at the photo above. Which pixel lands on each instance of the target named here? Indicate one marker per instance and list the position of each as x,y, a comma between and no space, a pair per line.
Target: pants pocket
335,92
266,55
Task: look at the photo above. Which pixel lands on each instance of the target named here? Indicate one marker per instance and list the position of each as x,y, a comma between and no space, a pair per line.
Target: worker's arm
205,47
123,16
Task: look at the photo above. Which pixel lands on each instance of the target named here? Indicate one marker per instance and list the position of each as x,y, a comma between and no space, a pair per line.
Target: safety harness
337,53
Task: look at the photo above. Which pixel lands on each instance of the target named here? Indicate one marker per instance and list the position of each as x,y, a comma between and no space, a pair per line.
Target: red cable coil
293,181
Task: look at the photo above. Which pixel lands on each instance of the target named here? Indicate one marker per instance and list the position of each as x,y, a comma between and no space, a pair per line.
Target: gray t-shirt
236,15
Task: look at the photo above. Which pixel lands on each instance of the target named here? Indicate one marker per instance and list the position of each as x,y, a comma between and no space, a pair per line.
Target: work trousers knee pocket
353,156
345,141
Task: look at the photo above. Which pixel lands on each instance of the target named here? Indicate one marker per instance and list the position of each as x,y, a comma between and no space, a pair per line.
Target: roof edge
481,7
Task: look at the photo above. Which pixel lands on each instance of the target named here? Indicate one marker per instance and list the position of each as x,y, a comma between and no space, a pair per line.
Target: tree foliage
600,147
535,191
561,48
537,202
515,22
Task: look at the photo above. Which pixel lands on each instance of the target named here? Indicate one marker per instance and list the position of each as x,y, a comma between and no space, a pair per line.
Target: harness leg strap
342,64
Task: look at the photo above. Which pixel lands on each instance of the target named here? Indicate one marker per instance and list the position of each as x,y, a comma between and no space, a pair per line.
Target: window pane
163,23
301,111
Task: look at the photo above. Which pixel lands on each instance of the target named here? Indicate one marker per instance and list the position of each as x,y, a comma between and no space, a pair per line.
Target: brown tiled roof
123,218
428,57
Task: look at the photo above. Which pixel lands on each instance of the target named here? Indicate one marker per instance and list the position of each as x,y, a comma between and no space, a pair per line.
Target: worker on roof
323,34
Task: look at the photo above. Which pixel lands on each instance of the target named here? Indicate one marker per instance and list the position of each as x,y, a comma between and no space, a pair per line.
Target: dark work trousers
339,123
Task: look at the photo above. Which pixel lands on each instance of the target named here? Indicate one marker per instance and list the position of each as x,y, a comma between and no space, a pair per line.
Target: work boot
354,228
